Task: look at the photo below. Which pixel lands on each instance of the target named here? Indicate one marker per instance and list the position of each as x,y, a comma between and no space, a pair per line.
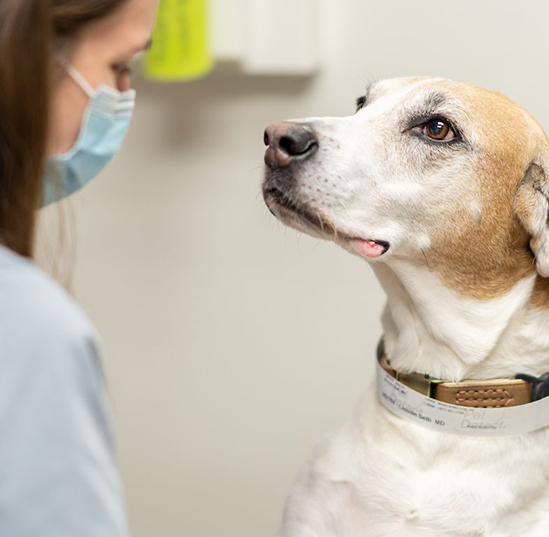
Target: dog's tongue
369,248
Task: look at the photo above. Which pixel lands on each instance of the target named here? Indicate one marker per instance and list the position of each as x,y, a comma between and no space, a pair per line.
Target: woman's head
41,107
99,38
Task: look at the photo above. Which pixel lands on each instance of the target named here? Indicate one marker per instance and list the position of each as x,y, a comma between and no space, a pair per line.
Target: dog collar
472,407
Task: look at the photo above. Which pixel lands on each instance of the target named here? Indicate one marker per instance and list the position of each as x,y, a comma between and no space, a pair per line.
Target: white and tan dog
443,187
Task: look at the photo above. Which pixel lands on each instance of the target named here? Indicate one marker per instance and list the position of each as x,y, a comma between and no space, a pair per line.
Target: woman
65,105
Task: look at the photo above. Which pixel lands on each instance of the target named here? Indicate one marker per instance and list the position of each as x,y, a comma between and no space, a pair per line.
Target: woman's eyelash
123,69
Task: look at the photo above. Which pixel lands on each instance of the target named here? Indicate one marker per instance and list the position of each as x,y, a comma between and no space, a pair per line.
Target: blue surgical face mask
104,126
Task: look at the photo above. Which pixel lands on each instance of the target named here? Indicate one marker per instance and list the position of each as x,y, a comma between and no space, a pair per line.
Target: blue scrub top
58,471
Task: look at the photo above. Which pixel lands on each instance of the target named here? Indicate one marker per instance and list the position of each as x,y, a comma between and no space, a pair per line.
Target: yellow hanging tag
180,45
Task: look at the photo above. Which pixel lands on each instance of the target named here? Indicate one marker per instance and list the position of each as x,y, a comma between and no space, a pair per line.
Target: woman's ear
531,206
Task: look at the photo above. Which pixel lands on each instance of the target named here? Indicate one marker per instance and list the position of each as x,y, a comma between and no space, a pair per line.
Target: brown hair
29,30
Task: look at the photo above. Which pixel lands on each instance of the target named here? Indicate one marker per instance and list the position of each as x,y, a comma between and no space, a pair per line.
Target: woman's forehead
127,30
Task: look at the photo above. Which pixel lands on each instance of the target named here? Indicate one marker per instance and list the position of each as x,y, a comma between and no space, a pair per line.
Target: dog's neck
430,328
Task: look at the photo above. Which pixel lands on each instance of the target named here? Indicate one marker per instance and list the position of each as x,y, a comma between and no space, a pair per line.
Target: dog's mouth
371,248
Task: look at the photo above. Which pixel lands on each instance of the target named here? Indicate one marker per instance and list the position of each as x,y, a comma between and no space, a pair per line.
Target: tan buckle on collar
420,383
423,385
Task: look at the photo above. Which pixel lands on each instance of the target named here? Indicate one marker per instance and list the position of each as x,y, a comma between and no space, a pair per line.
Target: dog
442,188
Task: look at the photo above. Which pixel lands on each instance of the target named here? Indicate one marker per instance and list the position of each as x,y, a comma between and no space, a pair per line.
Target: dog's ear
531,205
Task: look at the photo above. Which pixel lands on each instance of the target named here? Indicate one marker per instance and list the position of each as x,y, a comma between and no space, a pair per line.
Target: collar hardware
540,385
423,384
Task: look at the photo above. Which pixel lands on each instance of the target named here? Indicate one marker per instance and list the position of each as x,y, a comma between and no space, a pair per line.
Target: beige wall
233,344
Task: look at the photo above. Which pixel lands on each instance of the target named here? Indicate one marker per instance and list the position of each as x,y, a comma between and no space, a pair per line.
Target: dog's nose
288,142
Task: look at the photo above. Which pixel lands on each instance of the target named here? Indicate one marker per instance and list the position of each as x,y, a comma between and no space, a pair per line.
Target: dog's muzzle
291,143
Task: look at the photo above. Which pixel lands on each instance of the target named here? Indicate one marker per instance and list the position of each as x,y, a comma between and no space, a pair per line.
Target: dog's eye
360,102
439,130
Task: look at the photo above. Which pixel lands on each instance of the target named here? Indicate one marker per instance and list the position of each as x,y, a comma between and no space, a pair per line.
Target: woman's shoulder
35,309
57,442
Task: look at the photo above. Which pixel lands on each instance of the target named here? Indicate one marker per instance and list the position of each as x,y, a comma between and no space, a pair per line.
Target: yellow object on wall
180,44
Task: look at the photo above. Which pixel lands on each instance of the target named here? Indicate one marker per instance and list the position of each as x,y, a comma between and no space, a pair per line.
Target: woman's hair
29,33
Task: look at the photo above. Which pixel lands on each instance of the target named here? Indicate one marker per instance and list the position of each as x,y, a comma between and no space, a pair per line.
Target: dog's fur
468,298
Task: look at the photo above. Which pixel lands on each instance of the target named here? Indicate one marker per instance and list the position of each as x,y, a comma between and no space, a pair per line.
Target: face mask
104,126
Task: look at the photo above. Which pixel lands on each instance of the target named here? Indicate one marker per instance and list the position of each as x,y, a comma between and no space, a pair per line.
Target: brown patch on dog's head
485,255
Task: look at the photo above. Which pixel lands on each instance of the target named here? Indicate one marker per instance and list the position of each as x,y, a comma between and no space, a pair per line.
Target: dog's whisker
257,167
321,223
425,257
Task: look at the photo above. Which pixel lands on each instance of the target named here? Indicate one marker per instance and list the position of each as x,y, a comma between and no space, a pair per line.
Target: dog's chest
451,485
394,479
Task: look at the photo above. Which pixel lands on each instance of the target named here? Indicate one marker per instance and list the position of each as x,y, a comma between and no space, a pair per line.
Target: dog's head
442,172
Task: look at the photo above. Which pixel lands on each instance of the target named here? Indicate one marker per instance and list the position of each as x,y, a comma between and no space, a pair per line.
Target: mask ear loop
76,76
